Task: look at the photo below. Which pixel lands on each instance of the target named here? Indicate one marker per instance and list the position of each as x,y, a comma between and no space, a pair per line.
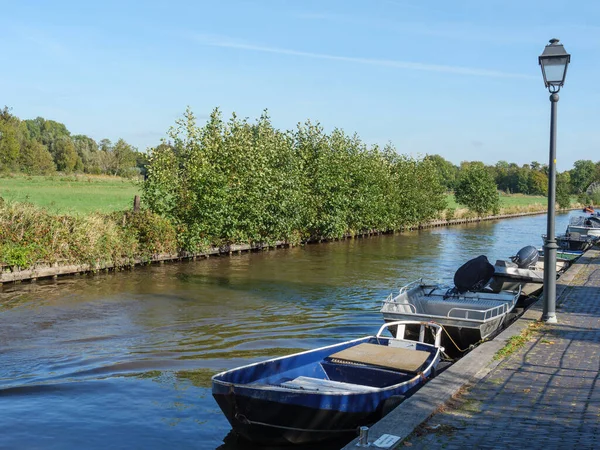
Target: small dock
543,394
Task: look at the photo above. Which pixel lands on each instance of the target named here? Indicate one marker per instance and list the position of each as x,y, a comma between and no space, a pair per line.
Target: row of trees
238,181
529,179
40,147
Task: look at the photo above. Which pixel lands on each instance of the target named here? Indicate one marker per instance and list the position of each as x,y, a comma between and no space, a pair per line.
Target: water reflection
133,352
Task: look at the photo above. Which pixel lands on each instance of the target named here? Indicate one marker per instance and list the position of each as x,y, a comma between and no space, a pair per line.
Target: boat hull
269,423
508,283
317,395
572,244
278,418
584,231
511,278
459,334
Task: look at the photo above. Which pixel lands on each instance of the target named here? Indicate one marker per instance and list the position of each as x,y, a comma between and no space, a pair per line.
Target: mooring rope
456,345
247,421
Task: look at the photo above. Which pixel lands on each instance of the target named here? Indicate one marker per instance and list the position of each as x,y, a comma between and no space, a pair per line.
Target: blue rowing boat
324,393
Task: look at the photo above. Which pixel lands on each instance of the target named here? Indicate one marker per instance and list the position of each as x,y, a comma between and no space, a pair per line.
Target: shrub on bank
153,234
241,182
31,235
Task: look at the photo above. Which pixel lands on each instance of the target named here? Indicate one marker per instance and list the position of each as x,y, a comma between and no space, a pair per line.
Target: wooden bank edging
10,275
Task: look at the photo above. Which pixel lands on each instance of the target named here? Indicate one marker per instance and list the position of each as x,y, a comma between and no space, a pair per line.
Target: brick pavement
546,395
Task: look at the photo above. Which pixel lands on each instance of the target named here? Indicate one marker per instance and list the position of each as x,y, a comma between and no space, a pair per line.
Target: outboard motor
526,257
473,275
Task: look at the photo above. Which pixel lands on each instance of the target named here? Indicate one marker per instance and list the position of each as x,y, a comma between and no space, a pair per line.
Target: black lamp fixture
554,61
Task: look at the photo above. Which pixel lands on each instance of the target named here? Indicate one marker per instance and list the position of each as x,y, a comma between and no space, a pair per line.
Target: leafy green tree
477,190
514,178
447,171
9,139
187,181
597,172
48,132
65,155
124,158
538,183
523,179
106,161
535,166
501,176
86,149
35,159
105,145
582,175
419,194
563,190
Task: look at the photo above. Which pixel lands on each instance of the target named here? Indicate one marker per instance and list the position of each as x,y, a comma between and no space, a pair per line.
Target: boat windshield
585,222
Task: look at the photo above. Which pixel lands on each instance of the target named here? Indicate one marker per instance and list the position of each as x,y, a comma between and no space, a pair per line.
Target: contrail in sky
213,41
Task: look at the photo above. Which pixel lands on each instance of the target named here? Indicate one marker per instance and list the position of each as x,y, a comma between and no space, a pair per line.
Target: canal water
124,360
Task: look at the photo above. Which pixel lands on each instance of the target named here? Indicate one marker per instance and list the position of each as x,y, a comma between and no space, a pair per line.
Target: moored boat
567,256
327,392
584,225
523,271
574,241
468,317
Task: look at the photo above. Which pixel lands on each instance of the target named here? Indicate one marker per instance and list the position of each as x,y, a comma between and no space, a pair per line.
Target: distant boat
574,241
328,392
584,225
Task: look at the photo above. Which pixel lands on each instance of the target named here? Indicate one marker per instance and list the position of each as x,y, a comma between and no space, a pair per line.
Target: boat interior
433,301
367,365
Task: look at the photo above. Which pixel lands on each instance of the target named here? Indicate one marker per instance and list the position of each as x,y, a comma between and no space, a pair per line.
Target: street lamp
554,61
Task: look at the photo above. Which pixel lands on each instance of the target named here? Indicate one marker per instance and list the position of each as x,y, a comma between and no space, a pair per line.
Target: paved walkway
546,395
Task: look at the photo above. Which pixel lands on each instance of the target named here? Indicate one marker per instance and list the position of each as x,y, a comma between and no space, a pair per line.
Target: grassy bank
31,235
82,194
509,204
508,201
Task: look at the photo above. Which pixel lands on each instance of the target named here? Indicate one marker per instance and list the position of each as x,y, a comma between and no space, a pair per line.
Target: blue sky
458,78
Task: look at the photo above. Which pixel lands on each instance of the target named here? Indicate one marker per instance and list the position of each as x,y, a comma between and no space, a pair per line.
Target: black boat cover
473,275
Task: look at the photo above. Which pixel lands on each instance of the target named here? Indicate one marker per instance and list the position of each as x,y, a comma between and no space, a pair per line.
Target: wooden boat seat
318,384
395,358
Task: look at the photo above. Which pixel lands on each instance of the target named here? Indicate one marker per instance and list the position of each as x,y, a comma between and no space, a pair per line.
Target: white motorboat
584,225
467,317
524,271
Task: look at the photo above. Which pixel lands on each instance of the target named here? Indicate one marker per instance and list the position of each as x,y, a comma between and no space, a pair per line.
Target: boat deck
383,356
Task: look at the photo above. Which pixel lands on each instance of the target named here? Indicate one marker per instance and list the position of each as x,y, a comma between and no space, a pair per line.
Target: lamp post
554,61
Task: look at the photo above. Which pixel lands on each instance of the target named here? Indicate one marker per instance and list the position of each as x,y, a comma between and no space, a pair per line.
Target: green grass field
506,201
80,194
84,194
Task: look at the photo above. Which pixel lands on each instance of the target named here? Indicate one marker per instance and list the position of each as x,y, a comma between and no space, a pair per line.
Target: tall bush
238,181
476,189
